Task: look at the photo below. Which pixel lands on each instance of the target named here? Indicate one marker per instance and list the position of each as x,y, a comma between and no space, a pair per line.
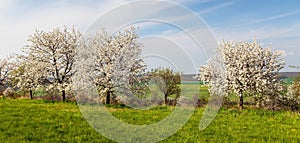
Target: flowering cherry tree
5,68
54,53
115,62
27,74
248,68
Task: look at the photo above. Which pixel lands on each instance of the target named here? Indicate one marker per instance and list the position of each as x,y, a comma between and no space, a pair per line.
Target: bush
9,93
290,100
168,82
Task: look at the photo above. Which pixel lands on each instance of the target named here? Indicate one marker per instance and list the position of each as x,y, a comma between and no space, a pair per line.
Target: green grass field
24,120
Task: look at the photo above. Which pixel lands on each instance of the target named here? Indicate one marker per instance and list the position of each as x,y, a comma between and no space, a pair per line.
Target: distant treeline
282,75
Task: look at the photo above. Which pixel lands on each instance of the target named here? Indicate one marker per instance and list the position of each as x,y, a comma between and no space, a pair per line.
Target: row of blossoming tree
49,61
241,68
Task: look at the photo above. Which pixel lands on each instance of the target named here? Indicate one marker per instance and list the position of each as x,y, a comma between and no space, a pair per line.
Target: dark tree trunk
31,94
175,101
241,104
108,97
63,95
166,99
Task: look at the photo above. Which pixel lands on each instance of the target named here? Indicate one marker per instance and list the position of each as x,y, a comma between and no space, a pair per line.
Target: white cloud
191,2
246,20
215,8
5,5
184,51
15,26
290,53
265,32
274,17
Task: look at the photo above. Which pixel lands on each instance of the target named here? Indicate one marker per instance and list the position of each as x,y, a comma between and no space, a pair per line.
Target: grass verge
40,121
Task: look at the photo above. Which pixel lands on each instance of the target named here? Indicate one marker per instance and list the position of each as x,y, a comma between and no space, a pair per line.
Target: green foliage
296,87
290,99
40,121
170,84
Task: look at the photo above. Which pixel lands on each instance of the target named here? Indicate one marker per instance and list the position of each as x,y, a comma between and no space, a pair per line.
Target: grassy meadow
24,120
40,121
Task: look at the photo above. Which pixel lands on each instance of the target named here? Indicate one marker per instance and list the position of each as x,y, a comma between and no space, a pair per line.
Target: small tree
295,88
249,68
291,100
170,84
55,50
27,74
116,61
6,67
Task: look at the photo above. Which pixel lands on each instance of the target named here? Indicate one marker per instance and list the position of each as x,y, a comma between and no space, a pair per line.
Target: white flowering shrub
245,67
290,100
113,62
214,76
6,66
52,54
27,74
9,92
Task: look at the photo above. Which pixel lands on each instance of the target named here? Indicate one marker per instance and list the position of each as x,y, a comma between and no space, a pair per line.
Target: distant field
40,121
193,88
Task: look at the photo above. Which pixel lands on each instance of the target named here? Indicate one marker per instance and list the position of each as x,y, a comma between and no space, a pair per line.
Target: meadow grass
24,120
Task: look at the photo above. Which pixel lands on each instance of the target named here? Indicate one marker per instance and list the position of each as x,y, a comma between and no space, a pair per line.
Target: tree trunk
64,95
175,102
31,94
166,100
108,98
241,101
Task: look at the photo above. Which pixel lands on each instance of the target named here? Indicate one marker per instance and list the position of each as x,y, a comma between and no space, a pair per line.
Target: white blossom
53,52
6,66
27,74
112,62
248,68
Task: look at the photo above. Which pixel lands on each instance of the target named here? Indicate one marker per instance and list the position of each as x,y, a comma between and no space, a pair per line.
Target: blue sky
273,22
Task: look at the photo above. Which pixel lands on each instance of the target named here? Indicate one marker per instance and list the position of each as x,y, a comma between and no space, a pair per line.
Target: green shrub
170,84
